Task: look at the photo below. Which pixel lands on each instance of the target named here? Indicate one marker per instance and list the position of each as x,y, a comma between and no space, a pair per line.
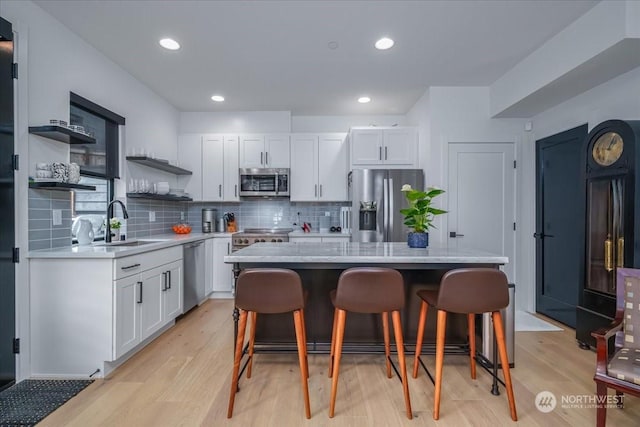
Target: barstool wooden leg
342,315
304,340
242,326
471,318
421,321
397,332
504,360
440,334
333,341
298,320
387,350
252,338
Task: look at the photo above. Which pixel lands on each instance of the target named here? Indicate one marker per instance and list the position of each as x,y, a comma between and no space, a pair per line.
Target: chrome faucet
107,234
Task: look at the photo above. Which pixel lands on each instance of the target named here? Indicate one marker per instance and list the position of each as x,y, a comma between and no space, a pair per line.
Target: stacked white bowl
162,187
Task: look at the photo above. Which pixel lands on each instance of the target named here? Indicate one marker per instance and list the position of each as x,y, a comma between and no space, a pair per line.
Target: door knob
541,235
453,234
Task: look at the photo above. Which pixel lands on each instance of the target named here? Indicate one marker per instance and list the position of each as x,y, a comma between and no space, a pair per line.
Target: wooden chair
368,290
621,371
468,291
269,290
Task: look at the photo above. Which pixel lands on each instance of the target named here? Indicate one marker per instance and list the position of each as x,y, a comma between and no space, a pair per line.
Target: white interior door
482,200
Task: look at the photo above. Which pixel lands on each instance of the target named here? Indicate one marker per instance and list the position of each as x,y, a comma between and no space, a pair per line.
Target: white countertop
99,250
363,253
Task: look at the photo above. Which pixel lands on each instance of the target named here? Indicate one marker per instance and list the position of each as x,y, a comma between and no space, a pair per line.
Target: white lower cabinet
222,273
86,314
144,303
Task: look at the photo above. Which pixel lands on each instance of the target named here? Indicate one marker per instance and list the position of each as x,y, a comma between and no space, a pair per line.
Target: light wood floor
183,379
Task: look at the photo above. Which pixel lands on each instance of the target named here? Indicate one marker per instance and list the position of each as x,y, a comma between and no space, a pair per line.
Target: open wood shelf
159,197
61,134
61,186
162,165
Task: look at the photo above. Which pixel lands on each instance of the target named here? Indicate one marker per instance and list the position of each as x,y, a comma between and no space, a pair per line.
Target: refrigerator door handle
385,210
390,196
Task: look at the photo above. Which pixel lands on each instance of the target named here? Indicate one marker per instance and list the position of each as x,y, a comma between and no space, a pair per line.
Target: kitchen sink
129,243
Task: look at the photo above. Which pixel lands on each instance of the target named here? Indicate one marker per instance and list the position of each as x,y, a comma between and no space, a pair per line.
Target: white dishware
41,173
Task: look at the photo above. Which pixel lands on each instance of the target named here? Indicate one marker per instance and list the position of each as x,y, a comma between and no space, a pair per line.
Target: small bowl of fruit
182,229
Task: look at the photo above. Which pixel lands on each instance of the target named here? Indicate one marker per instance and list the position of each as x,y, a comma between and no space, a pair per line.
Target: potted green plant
115,224
420,214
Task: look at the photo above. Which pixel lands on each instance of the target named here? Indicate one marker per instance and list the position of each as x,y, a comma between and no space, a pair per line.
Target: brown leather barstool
368,290
269,291
468,291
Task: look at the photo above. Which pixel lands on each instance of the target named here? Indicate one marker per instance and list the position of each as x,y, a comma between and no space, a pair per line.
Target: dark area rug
28,402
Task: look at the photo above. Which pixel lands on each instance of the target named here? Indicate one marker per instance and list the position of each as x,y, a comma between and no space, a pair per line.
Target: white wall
318,124
447,115
618,98
235,122
53,61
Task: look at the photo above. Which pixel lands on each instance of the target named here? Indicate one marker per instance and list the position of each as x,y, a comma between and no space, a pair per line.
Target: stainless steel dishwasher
194,265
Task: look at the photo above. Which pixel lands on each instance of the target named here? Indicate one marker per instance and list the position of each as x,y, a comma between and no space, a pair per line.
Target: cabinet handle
164,281
139,293
235,191
315,193
129,267
385,152
266,158
320,190
228,249
220,190
380,154
261,156
169,279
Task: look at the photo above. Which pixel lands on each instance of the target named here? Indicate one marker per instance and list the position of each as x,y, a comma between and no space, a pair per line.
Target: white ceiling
274,55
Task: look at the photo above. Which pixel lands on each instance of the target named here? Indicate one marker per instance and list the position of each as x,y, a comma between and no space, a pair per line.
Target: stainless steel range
250,236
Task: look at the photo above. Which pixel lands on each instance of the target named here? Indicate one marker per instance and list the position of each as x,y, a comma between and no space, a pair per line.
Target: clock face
607,149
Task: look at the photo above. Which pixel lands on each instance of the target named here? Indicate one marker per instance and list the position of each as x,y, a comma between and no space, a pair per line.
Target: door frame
524,289
21,139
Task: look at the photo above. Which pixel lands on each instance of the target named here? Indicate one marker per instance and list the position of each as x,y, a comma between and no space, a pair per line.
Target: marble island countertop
125,248
362,253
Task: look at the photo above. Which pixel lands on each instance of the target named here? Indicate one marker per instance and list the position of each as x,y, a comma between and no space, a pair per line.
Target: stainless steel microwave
264,182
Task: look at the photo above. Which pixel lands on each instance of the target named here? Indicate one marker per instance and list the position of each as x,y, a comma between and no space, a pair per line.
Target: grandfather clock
612,226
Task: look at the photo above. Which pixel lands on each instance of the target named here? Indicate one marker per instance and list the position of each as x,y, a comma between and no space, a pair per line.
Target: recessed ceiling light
217,98
364,99
333,45
170,44
384,43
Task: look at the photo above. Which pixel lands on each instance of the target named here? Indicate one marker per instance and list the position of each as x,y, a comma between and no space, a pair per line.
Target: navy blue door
560,223
7,225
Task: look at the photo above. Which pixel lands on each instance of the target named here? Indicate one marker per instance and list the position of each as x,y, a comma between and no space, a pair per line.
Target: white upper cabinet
384,147
264,151
319,167
333,167
230,190
304,168
212,168
190,157
213,159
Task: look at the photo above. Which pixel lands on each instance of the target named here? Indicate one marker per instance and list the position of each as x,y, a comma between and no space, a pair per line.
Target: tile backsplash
252,213
42,233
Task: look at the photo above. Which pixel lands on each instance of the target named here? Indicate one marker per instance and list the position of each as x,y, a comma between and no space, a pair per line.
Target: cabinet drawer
134,264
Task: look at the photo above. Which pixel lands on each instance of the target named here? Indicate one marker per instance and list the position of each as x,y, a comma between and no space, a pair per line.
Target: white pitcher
85,232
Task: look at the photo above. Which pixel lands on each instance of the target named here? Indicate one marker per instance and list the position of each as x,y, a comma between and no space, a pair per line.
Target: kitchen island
320,264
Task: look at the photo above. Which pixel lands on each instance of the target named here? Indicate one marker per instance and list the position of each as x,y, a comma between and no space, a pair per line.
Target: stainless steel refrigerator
376,201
